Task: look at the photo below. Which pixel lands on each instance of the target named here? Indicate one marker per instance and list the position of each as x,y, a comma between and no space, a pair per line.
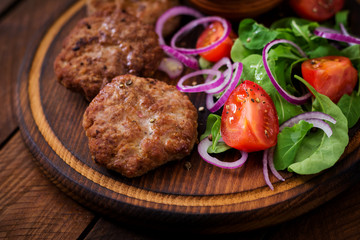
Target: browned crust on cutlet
137,124
100,48
148,11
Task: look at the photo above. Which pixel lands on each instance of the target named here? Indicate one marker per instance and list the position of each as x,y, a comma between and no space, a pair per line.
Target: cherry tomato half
332,76
316,10
212,34
249,119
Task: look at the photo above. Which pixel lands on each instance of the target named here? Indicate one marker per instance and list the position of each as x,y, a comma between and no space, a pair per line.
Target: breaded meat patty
148,11
137,124
100,48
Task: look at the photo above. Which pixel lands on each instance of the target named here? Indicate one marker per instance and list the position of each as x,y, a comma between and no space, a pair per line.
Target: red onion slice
188,61
334,35
201,87
315,118
202,149
271,164
345,32
172,67
227,73
288,97
172,12
192,25
305,116
265,169
317,123
213,107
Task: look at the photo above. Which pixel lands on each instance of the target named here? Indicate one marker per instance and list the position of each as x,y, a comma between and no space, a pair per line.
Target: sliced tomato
316,10
332,76
212,34
249,120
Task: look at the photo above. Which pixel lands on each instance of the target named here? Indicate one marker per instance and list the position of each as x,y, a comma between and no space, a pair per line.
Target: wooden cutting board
200,198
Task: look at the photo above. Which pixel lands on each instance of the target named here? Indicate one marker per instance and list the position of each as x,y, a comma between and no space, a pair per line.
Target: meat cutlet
136,124
148,11
100,48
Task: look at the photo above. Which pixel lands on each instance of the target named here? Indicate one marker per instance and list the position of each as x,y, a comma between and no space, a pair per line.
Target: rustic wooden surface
32,207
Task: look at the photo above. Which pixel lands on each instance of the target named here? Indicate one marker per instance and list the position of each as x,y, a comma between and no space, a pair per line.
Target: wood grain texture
198,199
18,28
107,229
30,206
4,5
337,219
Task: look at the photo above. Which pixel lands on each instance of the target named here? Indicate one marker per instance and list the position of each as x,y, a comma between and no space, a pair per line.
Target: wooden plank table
31,207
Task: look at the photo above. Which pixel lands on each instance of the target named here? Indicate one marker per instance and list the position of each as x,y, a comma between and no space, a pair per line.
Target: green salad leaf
320,152
289,141
349,105
254,35
213,128
239,51
299,149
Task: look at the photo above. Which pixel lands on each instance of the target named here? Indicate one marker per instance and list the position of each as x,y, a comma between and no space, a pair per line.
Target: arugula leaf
254,35
320,152
289,141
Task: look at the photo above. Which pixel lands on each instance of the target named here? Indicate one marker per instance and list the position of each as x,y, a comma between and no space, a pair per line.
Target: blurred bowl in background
234,9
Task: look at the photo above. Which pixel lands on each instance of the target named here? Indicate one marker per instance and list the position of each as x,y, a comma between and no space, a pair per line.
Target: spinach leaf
349,105
285,23
341,17
213,127
320,152
284,109
205,64
324,50
289,141
212,120
239,51
254,35
353,53
218,148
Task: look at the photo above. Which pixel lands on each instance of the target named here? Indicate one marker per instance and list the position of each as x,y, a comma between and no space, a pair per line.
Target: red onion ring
201,87
288,97
188,61
305,116
178,10
172,67
202,149
345,32
192,25
322,125
213,107
334,35
315,118
265,169
227,73
271,164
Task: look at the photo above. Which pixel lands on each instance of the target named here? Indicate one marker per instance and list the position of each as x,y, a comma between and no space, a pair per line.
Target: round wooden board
203,198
